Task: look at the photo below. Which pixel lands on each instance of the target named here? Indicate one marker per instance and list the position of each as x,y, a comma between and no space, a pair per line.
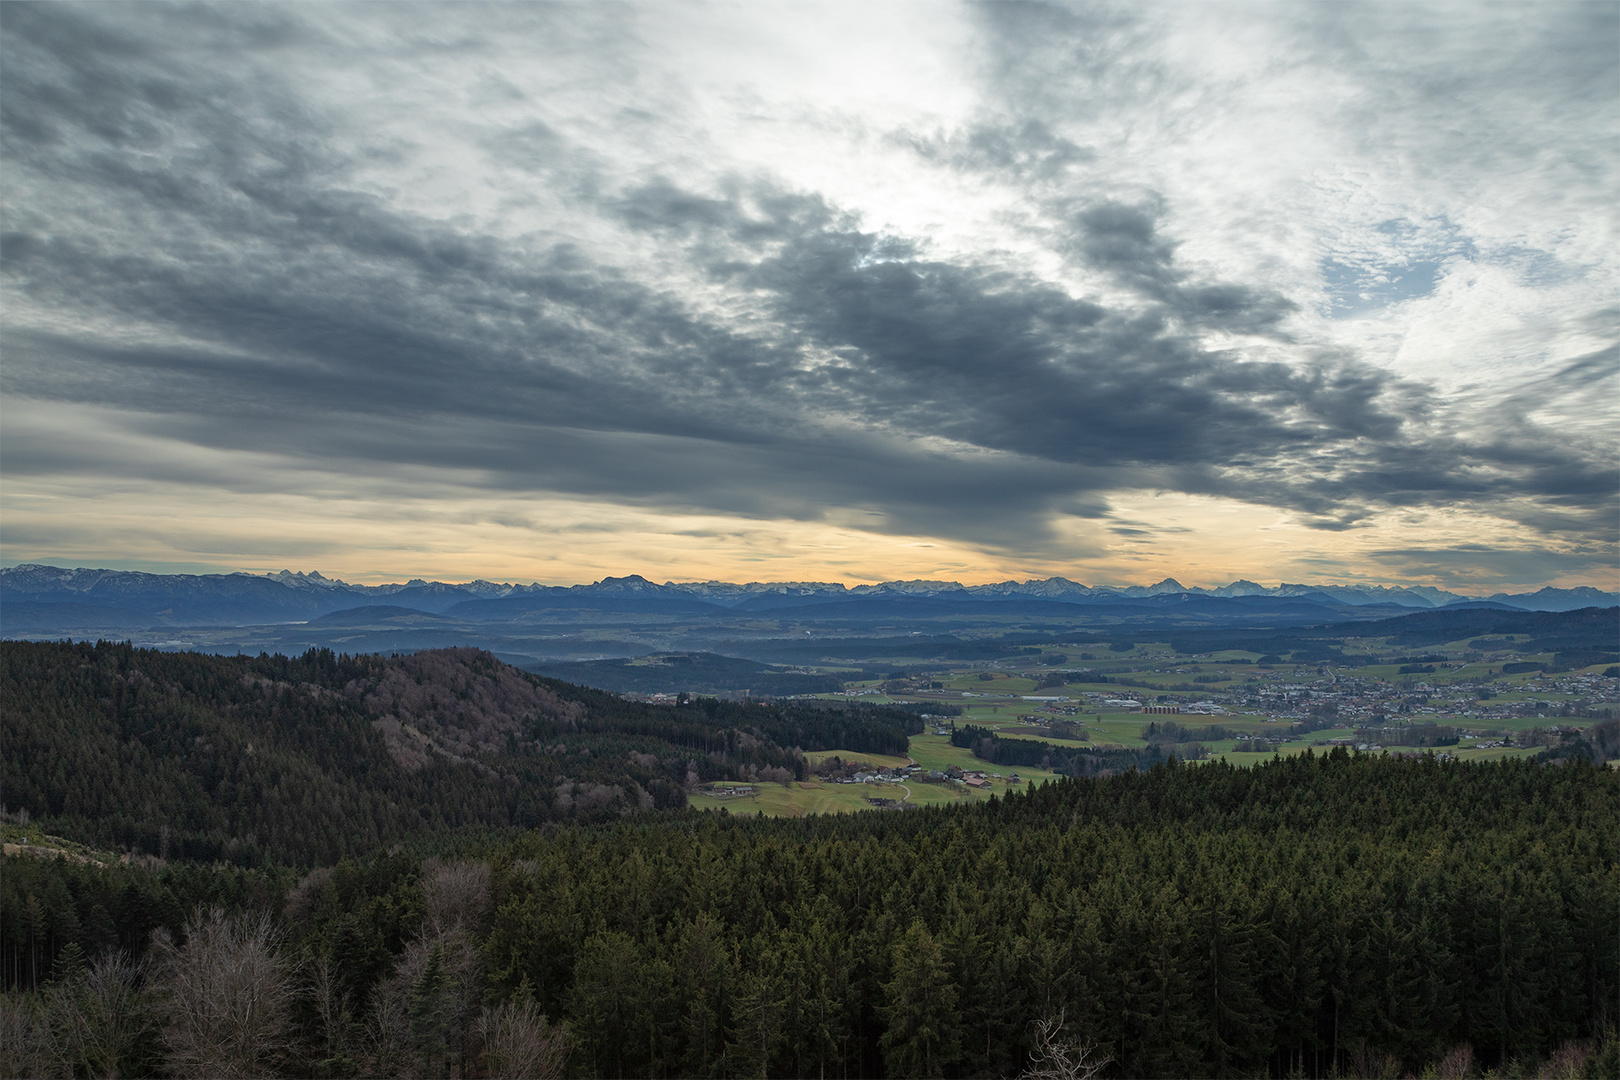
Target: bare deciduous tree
387,1034
1057,1058
1367,1062
226,997
302,898
1568,1062
333,1011
454,895
521,1044
98,1017
27,1047
1457,1065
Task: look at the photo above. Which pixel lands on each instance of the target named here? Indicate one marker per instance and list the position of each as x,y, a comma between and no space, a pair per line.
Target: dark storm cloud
995,360
1125,241
285,312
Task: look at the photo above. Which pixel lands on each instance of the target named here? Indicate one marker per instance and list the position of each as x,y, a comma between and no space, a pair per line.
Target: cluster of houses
882,775
976,779
1353,699
730,791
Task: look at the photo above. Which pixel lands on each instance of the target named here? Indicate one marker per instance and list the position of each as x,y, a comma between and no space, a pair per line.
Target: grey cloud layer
184,240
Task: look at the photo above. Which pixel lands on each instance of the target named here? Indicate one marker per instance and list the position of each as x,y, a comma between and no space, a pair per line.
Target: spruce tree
922,1035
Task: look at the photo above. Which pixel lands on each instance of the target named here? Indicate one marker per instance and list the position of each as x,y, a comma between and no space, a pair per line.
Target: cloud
226,264
1484,564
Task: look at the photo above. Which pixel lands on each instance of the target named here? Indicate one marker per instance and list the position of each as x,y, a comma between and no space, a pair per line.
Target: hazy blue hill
1551,599
1590,627
783,601
46,601
698,673
371,613
20,616
516,607
434,599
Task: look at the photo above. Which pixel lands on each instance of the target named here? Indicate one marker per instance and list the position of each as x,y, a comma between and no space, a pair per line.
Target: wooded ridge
301,761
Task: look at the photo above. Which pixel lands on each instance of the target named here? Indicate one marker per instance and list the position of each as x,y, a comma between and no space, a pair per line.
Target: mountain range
37,599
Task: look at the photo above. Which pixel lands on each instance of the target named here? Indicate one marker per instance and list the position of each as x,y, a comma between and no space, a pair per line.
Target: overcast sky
1320,292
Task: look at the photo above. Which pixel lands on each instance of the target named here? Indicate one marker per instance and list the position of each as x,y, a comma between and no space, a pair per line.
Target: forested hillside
1340,915
304,760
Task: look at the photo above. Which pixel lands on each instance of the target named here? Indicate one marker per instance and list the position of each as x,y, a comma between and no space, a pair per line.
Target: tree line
989,745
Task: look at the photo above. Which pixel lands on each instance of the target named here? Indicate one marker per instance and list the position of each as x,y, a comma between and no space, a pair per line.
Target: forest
1333,914
301,761
1321,915
1069,760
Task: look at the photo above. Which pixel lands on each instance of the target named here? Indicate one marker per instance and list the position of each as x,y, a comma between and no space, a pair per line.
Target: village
1452,701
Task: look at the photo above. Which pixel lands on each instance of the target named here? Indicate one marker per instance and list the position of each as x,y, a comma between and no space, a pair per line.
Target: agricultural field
1479,698
816,796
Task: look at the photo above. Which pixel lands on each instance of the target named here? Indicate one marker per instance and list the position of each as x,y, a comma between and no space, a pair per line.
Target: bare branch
226,996
1057,1058
520,1044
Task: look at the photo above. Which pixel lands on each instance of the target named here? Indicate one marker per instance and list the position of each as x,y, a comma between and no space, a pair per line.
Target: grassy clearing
816,757
936,752
29,840
1493,753
797,800
823,797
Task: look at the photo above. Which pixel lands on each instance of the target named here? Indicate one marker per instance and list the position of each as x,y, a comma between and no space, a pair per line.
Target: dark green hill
304,760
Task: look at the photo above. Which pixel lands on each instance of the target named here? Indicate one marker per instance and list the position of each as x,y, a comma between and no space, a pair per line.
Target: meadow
1466,689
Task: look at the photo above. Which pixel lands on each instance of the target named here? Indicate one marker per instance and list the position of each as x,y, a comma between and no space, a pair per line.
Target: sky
834,292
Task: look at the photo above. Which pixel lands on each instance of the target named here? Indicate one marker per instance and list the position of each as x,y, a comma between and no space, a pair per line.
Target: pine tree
430,1012
922,1036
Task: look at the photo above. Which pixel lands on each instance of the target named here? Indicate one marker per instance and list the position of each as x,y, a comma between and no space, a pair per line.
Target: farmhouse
732,791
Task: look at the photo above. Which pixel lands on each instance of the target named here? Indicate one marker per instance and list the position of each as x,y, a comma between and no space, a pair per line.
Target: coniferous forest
404,876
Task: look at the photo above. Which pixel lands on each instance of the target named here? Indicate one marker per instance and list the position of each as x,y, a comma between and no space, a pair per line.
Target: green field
796,800
995,691
823,797
936,752
816,757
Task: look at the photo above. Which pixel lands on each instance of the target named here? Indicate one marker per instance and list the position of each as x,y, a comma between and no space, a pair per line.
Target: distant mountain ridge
40,598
